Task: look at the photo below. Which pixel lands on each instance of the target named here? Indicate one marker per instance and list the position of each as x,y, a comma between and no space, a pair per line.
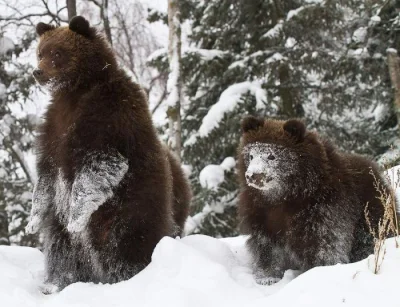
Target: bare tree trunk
103,6
290,103
174,80
394,71
106,21
4,234
277,11
71,7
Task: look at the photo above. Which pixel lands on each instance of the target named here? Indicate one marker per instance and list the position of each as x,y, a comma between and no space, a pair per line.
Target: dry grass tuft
388,224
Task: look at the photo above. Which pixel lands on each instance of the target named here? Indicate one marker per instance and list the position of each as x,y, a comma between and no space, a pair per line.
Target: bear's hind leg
363,243
65,261
124,250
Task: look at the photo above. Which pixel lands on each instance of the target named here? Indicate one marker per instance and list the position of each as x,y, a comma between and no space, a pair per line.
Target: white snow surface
6,45
293,13
360,35
274,31
228,101
393,174
202,271
205,54
228,163
3,90
376,18
212,176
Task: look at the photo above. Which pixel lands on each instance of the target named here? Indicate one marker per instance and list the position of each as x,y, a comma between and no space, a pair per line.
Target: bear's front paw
48,288
77,223
267,281
268,277
79,216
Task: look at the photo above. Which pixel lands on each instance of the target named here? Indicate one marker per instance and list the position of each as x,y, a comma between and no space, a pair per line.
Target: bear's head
280,158
72,56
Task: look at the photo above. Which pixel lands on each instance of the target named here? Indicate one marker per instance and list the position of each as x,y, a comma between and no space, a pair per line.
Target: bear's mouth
258,181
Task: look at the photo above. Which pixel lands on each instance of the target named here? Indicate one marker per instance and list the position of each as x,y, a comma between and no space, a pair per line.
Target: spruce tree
313,59
16,140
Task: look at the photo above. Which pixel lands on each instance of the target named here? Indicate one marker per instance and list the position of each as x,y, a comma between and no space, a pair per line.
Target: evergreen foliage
323,61
16,140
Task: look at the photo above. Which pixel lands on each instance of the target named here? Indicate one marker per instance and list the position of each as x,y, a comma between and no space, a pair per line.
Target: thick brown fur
312,211
96,111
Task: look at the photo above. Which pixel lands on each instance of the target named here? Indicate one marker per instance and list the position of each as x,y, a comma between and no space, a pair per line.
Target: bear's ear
42,27
295,128
80,25
251,123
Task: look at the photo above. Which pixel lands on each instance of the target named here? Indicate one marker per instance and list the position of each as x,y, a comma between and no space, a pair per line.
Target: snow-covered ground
203,271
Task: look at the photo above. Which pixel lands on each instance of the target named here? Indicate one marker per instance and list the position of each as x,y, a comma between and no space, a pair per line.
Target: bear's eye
58,54
40,56
271,157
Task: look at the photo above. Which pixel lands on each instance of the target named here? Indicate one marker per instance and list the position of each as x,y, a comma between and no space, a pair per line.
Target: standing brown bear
302,202
108,191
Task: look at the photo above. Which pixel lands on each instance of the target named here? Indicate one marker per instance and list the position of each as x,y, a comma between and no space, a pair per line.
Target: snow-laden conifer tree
16,139
313,59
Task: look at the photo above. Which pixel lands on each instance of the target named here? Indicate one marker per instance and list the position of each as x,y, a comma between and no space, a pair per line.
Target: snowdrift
203,271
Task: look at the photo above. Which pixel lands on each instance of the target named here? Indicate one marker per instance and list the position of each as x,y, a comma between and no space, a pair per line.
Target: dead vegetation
387,226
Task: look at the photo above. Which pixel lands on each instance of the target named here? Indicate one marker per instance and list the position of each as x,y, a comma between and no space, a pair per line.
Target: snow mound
345,285
21,270
202,271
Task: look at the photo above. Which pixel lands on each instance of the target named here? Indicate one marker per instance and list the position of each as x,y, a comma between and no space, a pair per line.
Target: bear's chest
280,220
277,221
58,131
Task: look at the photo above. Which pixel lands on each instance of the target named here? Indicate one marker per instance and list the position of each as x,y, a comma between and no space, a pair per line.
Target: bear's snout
40,76
37,73
255,178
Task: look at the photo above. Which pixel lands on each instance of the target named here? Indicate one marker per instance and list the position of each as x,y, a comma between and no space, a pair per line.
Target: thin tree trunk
174,80
290,105
103,6
71,7
278,10
394,71
106,20
4,235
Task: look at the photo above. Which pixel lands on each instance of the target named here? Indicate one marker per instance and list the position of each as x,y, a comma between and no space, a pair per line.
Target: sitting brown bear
302,201
108,190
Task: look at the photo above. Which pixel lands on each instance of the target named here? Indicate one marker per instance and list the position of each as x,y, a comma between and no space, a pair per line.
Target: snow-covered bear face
280,159
269,167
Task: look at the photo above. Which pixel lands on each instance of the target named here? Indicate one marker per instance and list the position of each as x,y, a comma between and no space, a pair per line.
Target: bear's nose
37,73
